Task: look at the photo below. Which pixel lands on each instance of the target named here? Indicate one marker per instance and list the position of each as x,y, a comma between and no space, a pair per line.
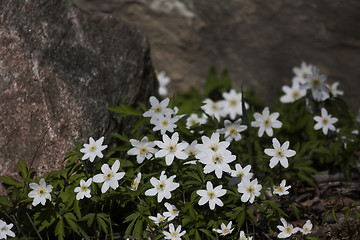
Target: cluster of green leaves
127,212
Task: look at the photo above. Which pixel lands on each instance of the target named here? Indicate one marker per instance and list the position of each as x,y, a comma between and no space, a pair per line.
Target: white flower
217,161
170,148
109,177
40,192
211,195
232,130
135,183
212,108
225,230
242,173
250,190
162,187
195,119
292,94
306,229
142,150
83,190
232,104
316,82
266,122
243,237
286,230
302,72
158,219
163,81
5,230
174,234
165,123
93,149
172,211
191,150
212,143
333,89
158,109
325,122
281,189
279,153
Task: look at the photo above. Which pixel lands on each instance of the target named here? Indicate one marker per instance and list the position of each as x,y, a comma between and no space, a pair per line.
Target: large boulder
60,69
258,41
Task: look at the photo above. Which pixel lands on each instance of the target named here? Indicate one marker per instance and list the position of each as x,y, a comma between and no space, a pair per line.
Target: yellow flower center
306,229
157,109
108,175
295,94
193,122
84,188
280,189
214,147
161,185
217,158
226,230
304,74
240,175
214,107
233,102
172,147
315,82
93,148
232,131
211,194
174,234
250,189
134,184
191,153
143,150
280,153
165,122
267,122
325,121
41,191
288,229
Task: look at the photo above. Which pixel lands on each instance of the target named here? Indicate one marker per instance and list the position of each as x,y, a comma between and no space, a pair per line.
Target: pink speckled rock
60,69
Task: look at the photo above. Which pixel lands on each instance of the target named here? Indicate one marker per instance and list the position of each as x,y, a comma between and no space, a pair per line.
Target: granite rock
60,69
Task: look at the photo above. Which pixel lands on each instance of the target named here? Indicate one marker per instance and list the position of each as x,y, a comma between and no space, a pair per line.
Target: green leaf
295,210
197,235
208,233
182,127
77,209
138,229
71,223
11,181
101,223
137,125
122,137
132,217
125,110
89,218
59,230
4,201
334,214
22,168
130,227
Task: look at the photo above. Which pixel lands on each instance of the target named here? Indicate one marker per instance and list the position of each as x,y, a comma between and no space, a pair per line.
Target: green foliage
127,212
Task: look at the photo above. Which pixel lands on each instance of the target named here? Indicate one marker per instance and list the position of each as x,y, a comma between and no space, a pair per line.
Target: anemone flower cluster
309,77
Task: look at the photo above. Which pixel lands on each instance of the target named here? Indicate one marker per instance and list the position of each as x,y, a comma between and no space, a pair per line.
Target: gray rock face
259,42
60,69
